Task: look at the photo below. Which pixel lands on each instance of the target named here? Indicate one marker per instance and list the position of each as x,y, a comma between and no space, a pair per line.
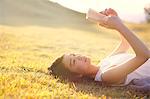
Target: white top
141,72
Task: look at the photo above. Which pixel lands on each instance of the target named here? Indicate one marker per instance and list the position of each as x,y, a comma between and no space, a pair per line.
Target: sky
129,10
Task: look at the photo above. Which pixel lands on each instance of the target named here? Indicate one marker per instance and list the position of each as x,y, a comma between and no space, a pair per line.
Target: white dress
142,72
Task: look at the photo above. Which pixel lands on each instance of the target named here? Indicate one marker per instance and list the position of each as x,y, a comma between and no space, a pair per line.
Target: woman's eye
74,61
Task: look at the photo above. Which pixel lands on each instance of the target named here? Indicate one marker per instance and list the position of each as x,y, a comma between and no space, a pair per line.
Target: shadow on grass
88,86
97,89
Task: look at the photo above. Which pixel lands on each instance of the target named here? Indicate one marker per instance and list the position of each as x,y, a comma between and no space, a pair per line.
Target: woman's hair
59,70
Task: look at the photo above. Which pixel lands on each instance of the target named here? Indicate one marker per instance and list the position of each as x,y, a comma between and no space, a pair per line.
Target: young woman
119,68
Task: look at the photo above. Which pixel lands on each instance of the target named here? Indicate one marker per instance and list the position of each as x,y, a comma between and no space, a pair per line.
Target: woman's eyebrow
72,54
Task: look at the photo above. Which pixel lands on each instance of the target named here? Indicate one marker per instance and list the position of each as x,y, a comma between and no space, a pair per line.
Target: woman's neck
93,69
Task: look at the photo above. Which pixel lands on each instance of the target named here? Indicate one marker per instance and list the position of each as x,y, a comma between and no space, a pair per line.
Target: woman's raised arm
123,45
117,73
112,21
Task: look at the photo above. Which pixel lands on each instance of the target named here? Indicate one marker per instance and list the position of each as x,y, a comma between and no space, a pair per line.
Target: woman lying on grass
119,68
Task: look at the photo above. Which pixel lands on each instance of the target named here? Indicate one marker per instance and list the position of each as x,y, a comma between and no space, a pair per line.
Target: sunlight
83,5
128,9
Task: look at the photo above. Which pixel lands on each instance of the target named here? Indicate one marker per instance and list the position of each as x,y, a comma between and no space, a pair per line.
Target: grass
27,51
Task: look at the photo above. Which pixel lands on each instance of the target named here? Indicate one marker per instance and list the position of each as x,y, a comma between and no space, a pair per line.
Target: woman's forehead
66,59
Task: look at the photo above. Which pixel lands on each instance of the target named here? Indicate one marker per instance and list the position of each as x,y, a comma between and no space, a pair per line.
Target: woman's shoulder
115,59
120,54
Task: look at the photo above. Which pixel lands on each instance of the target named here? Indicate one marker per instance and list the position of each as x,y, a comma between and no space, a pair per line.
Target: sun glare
128,9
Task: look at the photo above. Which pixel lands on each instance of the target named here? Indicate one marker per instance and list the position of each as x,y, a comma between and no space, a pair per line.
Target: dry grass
33,33
26,52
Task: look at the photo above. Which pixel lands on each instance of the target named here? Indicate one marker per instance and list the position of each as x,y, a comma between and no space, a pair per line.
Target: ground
27,51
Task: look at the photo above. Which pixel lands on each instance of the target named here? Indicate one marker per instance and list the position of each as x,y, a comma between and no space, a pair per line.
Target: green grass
26,52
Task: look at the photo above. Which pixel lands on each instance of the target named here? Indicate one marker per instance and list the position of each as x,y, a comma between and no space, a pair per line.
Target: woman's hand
109,12
111,19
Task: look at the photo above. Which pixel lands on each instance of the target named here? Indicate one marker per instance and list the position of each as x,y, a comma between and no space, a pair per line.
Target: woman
119,68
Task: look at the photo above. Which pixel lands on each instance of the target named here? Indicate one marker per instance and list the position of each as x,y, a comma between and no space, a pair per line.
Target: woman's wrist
120,27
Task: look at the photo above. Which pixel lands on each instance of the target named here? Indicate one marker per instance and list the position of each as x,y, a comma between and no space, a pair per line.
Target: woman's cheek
81,65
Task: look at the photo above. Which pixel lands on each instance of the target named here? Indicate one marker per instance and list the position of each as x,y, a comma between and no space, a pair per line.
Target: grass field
33,33
26,52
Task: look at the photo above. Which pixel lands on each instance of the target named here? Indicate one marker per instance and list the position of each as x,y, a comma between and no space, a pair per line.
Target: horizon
125,8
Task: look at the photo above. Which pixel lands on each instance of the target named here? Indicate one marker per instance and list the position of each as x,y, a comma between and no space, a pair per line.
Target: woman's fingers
110,20
107,12
106,9
110,12
104,24
113,12
102,12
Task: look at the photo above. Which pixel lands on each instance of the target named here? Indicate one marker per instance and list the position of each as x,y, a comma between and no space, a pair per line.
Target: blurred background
129,10
12,11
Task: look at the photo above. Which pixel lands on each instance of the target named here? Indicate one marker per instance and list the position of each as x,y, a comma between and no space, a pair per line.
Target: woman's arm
117,73
112,21
122,47
140,49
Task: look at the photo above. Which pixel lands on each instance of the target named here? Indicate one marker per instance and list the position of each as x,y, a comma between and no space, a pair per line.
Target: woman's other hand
109,12
111,19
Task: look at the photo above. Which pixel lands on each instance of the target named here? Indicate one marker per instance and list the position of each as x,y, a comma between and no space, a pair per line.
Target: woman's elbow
144,57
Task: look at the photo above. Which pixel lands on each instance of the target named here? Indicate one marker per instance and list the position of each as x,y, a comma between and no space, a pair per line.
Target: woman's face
76,63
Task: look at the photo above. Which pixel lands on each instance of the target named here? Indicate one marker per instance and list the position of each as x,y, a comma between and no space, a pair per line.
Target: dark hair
59,70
